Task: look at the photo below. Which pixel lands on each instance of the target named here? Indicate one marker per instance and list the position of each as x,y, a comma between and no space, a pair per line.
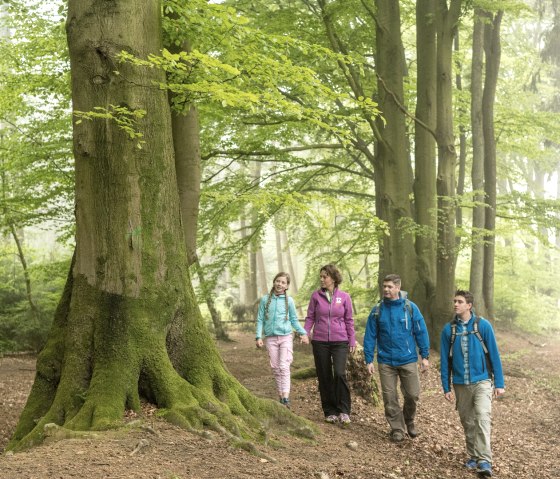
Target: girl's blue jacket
276,324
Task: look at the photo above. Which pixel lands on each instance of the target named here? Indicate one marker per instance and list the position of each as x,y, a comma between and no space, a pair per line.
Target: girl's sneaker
332,419
285,402
344,419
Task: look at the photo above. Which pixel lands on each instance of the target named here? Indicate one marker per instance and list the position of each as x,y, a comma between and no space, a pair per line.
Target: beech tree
128,325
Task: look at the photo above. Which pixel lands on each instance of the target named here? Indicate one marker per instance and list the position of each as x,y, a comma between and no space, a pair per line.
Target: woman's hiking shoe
484,469
344,419
285,402
471,464
332,419
397,435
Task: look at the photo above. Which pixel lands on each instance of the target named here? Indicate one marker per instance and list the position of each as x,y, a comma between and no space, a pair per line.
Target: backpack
407,307
476,332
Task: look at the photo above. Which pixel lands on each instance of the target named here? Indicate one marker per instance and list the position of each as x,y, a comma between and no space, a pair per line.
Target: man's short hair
394,278
469,297
333,272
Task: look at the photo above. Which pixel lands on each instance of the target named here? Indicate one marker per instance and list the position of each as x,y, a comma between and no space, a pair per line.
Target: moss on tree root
105,354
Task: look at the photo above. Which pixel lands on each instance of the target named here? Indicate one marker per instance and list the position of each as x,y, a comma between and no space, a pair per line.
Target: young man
471,368
397,327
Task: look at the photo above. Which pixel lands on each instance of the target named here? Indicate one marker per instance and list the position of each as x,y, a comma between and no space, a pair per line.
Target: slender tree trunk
424,152
128,324
393,172
26,275
447,160
462,147
279,251
492,50
477,172
263,283
289,262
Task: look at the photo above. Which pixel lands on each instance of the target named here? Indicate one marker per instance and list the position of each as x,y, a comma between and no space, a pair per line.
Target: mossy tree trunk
128,325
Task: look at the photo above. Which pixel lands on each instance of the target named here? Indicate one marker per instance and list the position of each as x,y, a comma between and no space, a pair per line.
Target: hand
449,396
424,365
260,343
352,349
499,392
304,339
370,368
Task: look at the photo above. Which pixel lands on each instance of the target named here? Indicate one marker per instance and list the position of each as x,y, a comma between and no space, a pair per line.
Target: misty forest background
320,134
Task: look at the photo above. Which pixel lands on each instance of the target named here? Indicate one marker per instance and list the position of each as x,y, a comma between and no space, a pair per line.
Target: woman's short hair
333,272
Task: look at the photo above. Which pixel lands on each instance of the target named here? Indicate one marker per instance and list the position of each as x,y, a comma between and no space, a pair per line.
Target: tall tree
448,18
477,169
492,51
424,148
393,171
128,324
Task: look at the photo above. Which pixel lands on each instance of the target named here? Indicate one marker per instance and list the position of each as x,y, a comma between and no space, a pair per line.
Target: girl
277,315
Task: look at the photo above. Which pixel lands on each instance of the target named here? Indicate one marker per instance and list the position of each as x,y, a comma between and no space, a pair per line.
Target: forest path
526,433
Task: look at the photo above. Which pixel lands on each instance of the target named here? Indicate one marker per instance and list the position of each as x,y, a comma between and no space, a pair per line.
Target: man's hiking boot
332,419
484,469
411,429
471,464
397,435
344,419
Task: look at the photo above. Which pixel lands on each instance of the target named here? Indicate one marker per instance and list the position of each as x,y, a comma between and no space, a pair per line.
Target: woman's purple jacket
330,321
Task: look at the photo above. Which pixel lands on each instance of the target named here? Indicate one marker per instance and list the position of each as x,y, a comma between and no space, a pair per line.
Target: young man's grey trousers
474,404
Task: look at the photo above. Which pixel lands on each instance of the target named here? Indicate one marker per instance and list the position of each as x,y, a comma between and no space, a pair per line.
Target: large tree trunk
425,154
477,172
128,323
492,50
393,170
447,159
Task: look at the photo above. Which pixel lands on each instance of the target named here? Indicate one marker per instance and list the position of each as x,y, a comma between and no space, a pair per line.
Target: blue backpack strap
453,325
476,332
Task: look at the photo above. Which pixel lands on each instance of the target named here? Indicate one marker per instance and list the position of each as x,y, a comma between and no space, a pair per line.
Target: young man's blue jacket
396,333
478,369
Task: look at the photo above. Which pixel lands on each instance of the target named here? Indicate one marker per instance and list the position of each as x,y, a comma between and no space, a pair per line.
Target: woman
329,315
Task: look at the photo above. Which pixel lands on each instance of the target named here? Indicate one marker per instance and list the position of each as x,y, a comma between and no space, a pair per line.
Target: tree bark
477,172
492,50
291,269
424,152
279,252
447,160
128,324
393,172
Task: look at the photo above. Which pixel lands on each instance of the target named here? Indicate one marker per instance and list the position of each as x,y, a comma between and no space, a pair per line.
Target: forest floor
526,430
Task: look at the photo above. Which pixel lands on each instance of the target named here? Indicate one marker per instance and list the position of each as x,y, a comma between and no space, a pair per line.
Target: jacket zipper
329,322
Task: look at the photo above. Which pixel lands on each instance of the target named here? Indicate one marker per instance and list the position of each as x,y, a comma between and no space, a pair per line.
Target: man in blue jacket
397,327
470,358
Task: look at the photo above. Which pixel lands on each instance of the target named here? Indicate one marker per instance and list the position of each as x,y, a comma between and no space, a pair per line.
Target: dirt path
526,430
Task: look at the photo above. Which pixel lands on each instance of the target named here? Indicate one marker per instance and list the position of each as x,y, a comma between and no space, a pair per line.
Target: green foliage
20,328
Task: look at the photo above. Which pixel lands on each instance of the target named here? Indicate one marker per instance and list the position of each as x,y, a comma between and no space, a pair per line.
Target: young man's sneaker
331,419
471,464
484,469
344,419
